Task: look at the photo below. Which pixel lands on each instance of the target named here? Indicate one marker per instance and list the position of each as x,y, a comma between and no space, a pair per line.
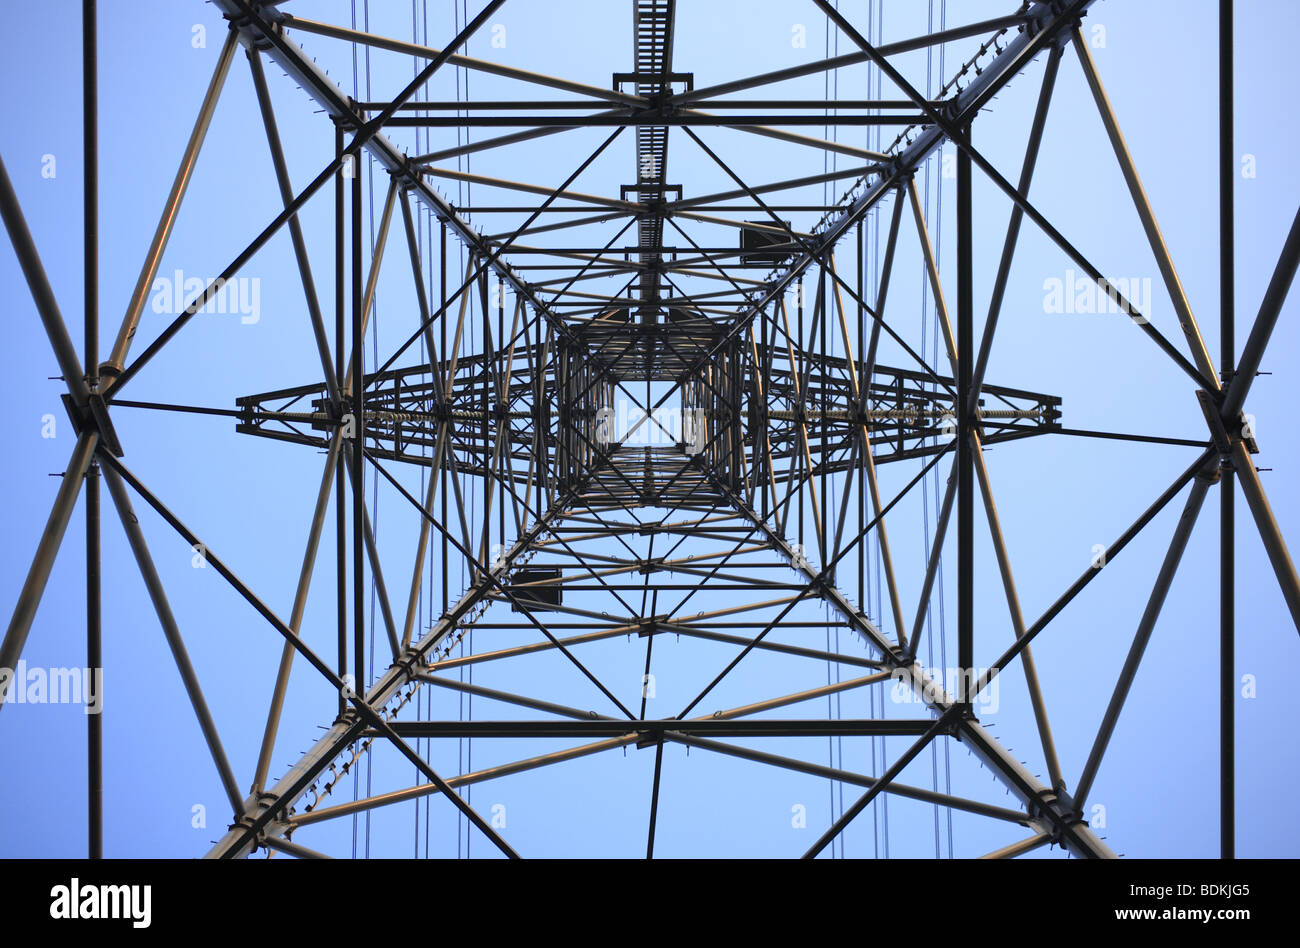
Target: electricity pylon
640,443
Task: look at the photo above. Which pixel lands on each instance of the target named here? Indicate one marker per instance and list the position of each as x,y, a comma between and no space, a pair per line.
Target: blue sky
251,499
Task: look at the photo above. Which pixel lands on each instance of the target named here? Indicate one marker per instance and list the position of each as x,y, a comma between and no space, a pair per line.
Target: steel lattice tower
741,507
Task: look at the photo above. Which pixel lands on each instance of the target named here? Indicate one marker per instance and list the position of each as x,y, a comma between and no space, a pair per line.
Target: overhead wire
930,328
835,743
875,16
356,94
374,359
465,746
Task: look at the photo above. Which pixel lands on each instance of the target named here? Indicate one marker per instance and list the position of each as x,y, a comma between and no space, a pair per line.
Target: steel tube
20,624
1164,578
1227,497
135,537
171,208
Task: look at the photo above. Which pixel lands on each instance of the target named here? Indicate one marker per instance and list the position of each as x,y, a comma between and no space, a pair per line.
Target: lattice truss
650,431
